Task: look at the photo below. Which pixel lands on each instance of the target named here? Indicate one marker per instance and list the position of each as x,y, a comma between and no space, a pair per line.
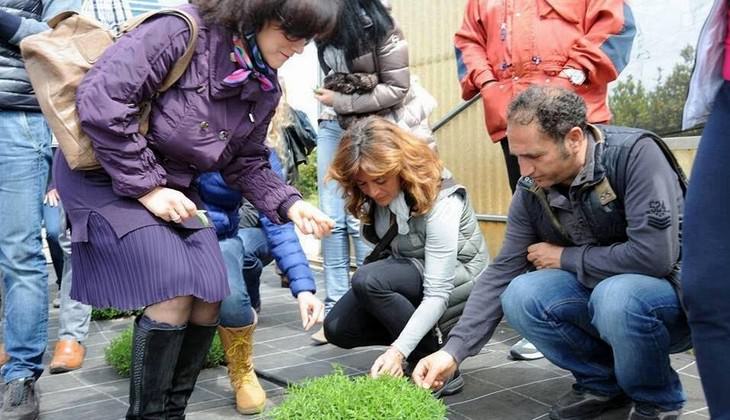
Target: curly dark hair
556,110
298,18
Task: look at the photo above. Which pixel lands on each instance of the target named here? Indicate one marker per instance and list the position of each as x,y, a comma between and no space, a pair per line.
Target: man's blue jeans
25,156
615,338
256,256
336,246
245,256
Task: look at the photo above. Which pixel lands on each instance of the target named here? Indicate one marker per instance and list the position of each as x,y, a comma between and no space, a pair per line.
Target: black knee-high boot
155,349
190,362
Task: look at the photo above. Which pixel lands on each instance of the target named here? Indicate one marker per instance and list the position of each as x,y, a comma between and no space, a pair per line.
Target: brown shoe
68,356
3,356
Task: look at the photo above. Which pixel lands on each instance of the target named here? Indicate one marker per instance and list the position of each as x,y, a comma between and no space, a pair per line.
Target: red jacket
516,43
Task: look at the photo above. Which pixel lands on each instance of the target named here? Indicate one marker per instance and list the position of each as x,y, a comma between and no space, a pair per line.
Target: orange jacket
516,43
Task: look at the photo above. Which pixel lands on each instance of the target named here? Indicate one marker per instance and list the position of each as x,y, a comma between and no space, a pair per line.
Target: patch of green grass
337,396
110,313
119,353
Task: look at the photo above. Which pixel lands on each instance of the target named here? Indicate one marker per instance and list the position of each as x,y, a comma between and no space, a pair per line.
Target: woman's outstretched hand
389,363
310,220
311,309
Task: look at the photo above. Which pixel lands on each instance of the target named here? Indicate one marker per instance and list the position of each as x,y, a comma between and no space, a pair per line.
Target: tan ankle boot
238,346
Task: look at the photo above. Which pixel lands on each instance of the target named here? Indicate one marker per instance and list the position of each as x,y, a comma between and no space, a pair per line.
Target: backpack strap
184,61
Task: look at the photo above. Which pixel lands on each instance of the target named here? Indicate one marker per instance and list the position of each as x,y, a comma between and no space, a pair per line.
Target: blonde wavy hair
283,117
379,148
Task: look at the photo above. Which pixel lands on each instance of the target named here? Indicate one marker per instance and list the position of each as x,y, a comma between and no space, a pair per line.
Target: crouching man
589,266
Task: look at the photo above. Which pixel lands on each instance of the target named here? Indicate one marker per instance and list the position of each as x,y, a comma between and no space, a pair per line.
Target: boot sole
249,411
61,369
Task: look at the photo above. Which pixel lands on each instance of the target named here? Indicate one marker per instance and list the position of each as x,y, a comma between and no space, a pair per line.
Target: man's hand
309,219
390,362
544,255
433,371
325,96
311,309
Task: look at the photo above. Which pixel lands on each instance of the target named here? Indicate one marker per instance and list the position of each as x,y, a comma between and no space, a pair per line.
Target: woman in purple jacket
136,239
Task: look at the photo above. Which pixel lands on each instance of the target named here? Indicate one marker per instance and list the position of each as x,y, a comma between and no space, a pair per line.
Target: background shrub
307,181
337,396
119,353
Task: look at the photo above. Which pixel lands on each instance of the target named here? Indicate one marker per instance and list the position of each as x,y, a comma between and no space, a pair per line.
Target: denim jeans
336,246
615,338
52,222
73,316
236,308
25,156
705,250
256,256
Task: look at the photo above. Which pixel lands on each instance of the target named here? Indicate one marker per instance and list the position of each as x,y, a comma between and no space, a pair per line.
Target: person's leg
256,255
155,349
235,310
336,246
74,317
550,308
641,318
513,167
349,325
52,222
24,161
390,290
237,326
193,355
705,247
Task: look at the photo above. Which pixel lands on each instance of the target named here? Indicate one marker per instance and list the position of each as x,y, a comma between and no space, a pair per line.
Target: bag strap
383,243
184,61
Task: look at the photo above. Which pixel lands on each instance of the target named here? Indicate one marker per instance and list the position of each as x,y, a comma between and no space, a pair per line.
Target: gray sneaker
524,350
20,401
650,412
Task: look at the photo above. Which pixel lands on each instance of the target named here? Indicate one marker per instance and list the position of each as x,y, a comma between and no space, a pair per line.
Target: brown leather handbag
57,60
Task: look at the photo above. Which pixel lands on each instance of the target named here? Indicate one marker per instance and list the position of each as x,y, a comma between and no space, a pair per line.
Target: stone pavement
496,387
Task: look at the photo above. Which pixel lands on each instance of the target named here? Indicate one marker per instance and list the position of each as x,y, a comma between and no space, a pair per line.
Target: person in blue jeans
25,157
366,40
705,242
249,241
589,267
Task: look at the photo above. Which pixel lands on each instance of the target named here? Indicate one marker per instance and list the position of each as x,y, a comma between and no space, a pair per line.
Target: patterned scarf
252,65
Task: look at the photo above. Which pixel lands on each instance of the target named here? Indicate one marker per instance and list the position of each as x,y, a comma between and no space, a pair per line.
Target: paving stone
499,405
101,410
496,386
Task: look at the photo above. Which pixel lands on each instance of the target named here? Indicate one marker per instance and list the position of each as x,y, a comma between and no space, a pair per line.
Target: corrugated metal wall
463,143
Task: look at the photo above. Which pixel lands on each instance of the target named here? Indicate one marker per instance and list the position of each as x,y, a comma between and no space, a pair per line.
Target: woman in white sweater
411,289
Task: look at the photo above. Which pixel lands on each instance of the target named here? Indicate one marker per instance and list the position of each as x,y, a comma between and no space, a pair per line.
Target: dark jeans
513,167
375,310
706,251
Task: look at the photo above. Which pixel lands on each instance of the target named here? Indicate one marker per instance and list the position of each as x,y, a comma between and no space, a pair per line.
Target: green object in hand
201,215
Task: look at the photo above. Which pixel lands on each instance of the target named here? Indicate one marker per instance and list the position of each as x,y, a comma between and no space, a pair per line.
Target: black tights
375,310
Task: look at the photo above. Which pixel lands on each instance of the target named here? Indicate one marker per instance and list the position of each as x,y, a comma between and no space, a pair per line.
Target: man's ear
574,139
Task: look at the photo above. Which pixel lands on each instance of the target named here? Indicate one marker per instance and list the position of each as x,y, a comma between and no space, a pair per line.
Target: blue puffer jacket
224,206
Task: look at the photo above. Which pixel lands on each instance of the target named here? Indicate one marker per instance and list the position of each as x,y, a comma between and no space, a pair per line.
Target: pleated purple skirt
146,266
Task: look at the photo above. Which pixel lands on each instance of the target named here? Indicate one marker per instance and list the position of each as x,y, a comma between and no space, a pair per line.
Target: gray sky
664,28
